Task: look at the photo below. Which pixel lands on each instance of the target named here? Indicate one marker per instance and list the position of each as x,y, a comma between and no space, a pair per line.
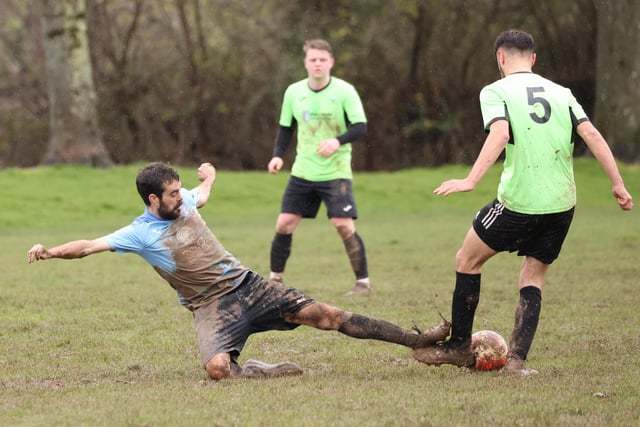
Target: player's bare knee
465,264
218,368
217,372
285,228
345,231
331,317
335,319
287,223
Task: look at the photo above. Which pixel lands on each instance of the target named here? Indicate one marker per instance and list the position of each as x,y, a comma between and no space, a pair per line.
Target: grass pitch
102,341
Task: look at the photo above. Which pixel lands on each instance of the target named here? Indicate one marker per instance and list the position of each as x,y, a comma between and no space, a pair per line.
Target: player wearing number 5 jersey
538,173
534,121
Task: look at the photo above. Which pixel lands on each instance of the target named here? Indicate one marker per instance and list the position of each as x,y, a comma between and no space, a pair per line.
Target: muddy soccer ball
490,350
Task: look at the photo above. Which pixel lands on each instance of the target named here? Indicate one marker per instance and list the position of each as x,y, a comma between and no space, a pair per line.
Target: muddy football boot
515,366
432,335
255,368
362,287
276,277
456,353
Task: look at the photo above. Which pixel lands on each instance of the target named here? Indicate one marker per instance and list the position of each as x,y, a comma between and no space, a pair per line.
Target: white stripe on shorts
492,215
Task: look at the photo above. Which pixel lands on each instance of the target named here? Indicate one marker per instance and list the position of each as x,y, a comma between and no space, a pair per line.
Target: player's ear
154,200
533,58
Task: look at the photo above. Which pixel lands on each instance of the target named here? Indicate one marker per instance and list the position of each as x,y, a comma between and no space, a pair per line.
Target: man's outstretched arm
69,250
493,145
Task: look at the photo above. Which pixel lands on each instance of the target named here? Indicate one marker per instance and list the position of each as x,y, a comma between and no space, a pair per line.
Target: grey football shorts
257,305
302,197
539,236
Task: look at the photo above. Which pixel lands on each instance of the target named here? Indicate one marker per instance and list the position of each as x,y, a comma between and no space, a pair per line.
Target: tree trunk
74,135
617,112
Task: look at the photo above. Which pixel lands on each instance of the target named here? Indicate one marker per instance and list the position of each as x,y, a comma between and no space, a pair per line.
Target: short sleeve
492,105
125,239
353,107
286,112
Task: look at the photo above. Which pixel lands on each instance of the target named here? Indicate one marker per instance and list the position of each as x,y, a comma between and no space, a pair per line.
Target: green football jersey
537,176
321,115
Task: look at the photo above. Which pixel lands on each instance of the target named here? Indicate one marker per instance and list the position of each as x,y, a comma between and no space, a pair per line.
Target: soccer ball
490,350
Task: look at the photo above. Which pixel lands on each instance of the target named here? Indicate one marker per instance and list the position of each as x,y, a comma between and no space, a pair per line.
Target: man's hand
454,186
37,252
206,171
275,165
207,176
327,147
624,199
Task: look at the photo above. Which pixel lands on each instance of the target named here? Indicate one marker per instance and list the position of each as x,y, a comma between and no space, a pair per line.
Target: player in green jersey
327,114
533,120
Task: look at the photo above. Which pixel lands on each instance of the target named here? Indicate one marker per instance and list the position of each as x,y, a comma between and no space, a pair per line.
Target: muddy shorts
539,236
302,197
257,305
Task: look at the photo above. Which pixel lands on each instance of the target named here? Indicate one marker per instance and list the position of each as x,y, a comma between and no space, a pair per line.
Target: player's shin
280,251
363,327
357,255
526,322
463,307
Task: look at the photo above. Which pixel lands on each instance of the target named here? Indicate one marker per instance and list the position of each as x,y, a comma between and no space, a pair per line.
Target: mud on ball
489,349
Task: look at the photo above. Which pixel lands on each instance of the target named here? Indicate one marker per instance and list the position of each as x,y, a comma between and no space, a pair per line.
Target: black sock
357,255
363,327
463,307
526,323
280,251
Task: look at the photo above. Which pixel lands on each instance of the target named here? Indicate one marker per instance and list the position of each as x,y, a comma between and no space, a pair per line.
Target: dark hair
317,44
514,39
152,178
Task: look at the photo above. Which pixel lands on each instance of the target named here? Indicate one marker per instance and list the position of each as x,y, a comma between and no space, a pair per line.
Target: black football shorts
257,305
302,197
539,236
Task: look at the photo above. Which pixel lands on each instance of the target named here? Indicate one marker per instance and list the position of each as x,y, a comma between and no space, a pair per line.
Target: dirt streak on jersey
183,251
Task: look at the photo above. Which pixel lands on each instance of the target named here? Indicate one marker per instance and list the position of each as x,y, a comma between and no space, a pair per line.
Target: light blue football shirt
183,251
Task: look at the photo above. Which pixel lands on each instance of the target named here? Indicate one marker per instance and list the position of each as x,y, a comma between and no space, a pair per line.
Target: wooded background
117,81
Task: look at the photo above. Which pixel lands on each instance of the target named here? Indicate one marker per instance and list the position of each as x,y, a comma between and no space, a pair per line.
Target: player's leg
281,244
532,274
356,253
222,366
224,325
457,351
299,201
539,252
328,317
466,295
527,315
342,210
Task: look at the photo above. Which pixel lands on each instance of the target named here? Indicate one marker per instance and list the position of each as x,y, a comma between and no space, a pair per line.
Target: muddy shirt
538,166
321,115
183,251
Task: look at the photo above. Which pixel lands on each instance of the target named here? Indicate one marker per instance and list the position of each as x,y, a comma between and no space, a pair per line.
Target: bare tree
182,80
75,137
